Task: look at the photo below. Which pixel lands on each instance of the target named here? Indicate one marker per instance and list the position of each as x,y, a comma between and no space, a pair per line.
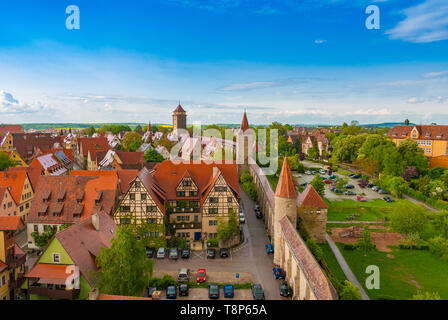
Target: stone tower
244,138
285,205
179,119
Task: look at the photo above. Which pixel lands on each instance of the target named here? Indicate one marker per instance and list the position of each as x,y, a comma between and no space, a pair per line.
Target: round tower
285,205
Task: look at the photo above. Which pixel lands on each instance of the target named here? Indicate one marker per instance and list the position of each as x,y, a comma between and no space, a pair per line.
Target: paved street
251,258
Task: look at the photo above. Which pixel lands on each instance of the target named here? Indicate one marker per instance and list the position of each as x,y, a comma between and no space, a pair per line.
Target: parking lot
202,294
250,261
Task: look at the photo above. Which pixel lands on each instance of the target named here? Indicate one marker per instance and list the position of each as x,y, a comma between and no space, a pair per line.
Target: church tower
285,205
244,138
179,119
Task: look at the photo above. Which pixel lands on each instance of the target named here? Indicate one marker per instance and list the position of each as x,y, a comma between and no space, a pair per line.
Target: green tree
124,267
151,155
365,243
138,128
319,185
90,131
441,223
407,218
413,155
346,148
6,161
228,228
41,240
131,141
350,291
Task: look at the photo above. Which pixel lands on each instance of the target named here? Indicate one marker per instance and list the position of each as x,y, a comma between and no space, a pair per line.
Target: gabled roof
27,143
244,123
124,178
309,198
179,109
285,186
131,157
83,242
15,180
48,271
154,189
429,132
11,223
92,144
13,128
33,174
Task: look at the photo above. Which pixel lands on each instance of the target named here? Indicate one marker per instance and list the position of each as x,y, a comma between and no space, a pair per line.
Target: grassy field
332,263
273,180
368,211
401,275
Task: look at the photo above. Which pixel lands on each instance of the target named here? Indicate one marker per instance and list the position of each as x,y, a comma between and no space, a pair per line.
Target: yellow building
4,280
14,156
433,139
20,188
6,143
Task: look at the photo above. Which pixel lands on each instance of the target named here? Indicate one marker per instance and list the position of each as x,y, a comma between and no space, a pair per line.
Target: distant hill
385,124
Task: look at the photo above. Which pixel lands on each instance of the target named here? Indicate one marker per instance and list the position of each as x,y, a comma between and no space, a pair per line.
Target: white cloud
416,100
320,41
370,112
436,74
249,86
10,105
426,22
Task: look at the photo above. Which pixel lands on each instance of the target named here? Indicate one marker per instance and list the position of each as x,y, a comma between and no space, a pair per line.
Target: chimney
96,221
94,294
406,122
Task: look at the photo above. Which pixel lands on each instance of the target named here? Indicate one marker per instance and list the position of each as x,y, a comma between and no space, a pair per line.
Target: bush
439,246
163,283
212,243
315,249
350,291
251,189
246,177
350,246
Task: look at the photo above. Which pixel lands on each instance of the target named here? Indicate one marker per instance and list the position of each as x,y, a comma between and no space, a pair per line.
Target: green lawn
332,263
368,211
273,180
397,274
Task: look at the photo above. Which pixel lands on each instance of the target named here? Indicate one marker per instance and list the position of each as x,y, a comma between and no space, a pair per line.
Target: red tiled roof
33,174
320,285
83,243
13,128
125,177
285,186
429,132
244,123
130,157
3,266
179,109
309,198
15,180
11,223
91,144
167,175
48,271
27,143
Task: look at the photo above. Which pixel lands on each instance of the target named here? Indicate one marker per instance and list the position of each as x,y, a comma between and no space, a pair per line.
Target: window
187,183
137,184
213,222
56,258
230,210
151,220
229,199
21,208
143,196
132,196
212,210
125,220
3,280
196,218
193,193
180,194
151,209
36,228
214,200
125,209
157,234
27,205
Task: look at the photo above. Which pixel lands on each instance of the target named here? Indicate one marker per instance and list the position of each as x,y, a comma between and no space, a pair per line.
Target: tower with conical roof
285,205
179,119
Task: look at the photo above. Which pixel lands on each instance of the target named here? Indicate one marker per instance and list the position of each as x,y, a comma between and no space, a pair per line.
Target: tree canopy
151,155
6,161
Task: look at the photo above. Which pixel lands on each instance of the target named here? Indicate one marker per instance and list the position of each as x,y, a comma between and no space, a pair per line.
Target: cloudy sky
295,61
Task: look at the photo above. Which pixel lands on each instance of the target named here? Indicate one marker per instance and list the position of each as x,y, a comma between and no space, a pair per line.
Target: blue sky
295,61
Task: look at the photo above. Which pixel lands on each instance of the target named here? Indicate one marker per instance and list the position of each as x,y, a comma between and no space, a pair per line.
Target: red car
361,198
202,276
328,181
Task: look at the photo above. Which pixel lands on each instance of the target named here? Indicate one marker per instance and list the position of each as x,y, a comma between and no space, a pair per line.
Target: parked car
229,291
259,215
174,254
171,292
201,276
349,193
150,252
348,186
351,175
285,290
388,199
151,291
224,253
375,188
185,254
307,172
269,248
332,187
322,171
242,218
184,275
211,253
161,252
336,190
328,181
257,291
361,198
304,184
279,273
313,172
213,291
184,289
256,207
382,191
333,176
370,185
355,176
